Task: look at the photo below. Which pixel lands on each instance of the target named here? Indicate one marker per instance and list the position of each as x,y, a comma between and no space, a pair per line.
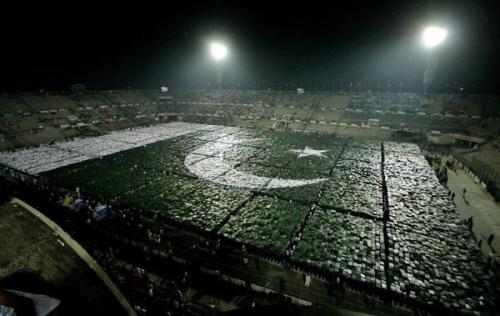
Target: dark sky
306,43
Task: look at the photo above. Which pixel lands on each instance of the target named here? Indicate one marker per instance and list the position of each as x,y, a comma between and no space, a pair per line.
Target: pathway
481,206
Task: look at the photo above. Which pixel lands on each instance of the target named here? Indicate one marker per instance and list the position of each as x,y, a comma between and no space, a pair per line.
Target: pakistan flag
251,185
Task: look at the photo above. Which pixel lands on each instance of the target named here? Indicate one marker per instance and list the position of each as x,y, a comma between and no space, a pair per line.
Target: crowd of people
132,226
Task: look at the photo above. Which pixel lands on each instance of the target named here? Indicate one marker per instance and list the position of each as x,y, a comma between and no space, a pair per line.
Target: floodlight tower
432,38
219,54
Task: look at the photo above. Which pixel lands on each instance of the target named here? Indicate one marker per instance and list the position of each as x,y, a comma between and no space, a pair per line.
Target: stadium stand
484,162
30,119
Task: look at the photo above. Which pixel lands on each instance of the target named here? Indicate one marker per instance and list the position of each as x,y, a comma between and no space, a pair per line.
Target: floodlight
218,51
433,36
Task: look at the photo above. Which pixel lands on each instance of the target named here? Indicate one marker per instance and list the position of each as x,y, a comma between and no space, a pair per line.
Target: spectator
490,238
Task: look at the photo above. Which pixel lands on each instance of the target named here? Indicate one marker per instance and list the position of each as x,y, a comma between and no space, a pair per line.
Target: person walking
490,238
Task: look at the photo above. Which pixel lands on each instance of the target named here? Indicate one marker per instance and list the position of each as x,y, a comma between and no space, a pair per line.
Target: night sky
278,45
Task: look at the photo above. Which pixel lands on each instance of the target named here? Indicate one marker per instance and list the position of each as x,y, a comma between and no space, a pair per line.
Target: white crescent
214,169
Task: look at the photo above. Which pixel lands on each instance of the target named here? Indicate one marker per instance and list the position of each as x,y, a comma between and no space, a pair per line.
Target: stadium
239,200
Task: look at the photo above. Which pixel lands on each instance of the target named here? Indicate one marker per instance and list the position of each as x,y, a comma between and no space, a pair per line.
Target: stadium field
314,200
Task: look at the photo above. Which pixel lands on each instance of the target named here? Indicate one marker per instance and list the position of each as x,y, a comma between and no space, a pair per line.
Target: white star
308,151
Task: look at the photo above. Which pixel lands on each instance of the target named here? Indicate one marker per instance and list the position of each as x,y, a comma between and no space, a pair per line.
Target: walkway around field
480,205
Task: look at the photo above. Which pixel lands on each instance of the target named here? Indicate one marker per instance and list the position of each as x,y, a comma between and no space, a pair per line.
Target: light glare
433,36
218,51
